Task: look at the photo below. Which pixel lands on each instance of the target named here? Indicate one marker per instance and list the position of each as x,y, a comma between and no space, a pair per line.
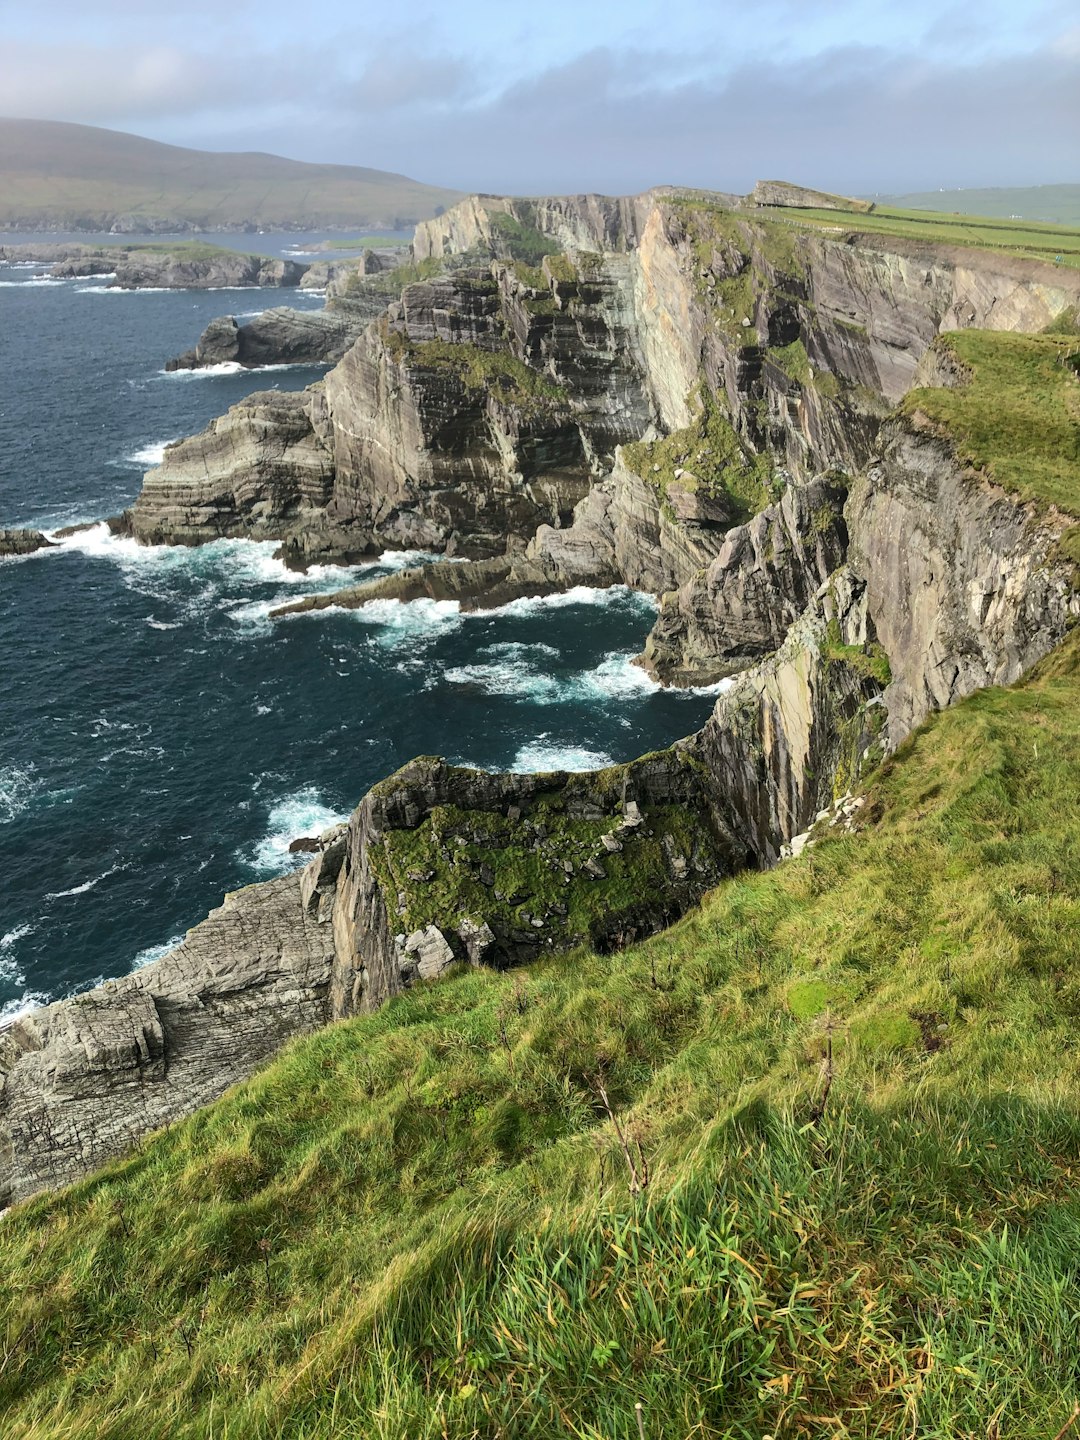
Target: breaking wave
304,812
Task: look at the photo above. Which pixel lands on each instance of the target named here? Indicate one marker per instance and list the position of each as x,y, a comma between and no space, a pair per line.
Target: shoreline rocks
180,267
22,542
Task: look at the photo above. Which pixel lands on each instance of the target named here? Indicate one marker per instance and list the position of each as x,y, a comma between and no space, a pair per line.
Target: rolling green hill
78,177
1057,203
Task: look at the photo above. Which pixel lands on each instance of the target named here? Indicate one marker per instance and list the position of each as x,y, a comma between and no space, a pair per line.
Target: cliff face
965,586
82,1080
693,401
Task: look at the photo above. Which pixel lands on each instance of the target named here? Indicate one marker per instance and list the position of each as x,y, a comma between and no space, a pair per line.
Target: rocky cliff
671,393
81,1081
190,266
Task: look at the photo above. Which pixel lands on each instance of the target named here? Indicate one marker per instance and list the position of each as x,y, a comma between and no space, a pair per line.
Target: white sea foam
508,678
544,754
19,784
29,1001
125,289
83,888
576,595
205,372
399,622
6,942
304,812
155,952
34,280
152,454
520,649
616,678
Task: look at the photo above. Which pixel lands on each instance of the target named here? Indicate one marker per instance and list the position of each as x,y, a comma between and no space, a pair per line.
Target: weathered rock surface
276,337
790,733
261,469
742,604
446,864
962,581
81,1081
22,542
129,268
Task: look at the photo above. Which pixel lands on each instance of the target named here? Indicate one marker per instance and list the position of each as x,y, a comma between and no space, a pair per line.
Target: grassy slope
1059,204
57,174
420,1223
1012,237
1017,416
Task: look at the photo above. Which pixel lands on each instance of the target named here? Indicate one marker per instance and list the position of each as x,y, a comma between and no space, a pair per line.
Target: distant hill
79,177
1057,203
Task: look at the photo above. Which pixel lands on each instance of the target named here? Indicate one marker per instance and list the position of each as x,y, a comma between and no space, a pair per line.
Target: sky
857,96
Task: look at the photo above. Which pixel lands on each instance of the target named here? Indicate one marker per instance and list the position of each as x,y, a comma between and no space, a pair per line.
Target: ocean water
161,741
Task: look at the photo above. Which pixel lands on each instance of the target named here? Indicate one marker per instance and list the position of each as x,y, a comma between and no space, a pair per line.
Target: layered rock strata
83,1080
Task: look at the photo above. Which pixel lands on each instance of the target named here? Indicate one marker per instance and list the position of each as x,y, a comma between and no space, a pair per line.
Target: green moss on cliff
492,371
467,863
388,284
712,458
520,239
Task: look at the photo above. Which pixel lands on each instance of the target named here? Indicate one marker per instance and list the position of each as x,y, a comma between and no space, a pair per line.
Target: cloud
856,118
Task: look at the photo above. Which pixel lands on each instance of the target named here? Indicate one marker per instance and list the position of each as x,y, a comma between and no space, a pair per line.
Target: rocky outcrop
791,732
742,604
262,469
22,542
963,582
192,267
799,197
276,337
449,865
83,1080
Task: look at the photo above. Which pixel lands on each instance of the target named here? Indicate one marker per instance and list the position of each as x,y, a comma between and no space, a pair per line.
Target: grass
495,372
520,239
424,1222
388,284
1059,204
1015,416
1053,243
713,459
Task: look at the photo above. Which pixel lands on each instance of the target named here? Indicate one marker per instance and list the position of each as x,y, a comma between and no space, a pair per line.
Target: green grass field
1060,204
1051,243
525,1204
1016,417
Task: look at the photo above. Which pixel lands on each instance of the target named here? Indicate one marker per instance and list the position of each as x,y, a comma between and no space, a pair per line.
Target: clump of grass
869,659
713,459
389,284
1015,415
493,371
420,1221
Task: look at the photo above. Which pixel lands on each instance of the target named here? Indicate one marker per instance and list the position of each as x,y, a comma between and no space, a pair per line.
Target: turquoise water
161,741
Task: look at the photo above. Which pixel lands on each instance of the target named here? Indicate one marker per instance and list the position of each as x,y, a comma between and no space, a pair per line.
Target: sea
162,741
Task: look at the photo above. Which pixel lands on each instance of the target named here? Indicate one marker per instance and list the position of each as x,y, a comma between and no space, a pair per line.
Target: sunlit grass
421,1223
